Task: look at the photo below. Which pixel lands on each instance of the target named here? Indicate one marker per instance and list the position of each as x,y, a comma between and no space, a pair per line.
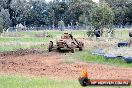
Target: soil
42,63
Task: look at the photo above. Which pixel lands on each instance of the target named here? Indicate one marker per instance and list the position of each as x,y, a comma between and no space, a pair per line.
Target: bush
90,33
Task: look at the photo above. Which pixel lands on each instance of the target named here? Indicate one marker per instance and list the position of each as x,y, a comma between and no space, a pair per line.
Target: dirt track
42,63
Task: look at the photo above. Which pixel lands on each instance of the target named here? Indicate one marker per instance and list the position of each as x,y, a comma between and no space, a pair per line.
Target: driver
71,36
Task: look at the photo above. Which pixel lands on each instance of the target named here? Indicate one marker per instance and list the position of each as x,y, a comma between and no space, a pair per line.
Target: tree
1,25
102,16
20,10
87,6
61,24
5,17
38,14
122,11
57,11
79,11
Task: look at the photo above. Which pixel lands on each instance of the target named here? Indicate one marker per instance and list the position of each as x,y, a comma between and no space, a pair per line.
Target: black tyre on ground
81,47
50,46
72,48
58,49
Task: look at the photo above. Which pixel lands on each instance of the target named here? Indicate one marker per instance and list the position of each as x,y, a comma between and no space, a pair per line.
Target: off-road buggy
66,42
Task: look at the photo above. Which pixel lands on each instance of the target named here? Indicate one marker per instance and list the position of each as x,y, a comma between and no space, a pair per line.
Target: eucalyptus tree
38,13
102,16
5,18
1,25
122,10
57,11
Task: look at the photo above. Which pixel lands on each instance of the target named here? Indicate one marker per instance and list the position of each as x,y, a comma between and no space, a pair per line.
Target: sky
92,0
96,1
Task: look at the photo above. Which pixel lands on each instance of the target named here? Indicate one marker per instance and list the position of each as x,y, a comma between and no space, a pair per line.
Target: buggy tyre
58,49
81,47
72,48
50,46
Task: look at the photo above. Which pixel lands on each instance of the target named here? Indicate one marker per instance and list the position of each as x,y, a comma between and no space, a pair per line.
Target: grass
28,37
27,41
122,34
37,82
86,56
23,39
75,33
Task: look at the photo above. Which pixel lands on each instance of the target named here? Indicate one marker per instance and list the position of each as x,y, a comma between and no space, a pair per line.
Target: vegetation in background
1,29
1,25
40,13
5,18
102,16
122,10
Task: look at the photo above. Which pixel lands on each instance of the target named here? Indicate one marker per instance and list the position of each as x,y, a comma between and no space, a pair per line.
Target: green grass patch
30,38
88,57
23,39
28,82
23,82
24,33
75,33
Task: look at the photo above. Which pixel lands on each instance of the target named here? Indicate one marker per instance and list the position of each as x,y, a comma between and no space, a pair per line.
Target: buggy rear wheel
72,48
50,46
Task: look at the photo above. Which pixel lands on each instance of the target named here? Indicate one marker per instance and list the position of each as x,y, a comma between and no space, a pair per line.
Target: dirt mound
52,65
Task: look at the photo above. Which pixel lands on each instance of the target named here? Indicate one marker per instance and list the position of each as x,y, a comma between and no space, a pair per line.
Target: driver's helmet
66,35
65,32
